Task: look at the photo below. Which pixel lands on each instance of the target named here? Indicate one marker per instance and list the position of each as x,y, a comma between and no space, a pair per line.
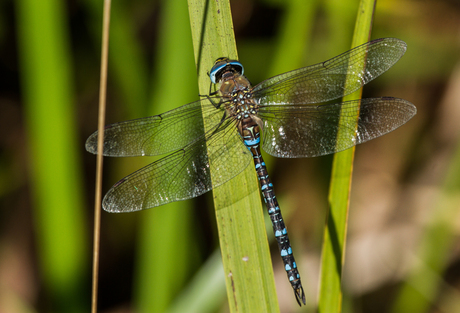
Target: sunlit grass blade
243,240
330,294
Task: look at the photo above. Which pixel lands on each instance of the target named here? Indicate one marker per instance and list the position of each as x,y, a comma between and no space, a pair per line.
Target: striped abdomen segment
251,138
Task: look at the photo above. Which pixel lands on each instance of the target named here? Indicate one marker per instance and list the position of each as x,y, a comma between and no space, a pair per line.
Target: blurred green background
403,252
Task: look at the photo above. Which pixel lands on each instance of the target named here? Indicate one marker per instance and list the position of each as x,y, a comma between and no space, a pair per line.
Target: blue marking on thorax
284,252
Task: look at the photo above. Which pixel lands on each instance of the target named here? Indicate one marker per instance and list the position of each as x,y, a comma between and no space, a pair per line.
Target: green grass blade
243,240
53,151
330,296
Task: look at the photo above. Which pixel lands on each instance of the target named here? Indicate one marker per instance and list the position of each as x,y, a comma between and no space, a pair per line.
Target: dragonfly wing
157,134
228,155
326,81
183,174
309,131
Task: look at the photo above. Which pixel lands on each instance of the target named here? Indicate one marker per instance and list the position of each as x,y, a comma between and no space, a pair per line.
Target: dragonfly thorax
236,92
243,104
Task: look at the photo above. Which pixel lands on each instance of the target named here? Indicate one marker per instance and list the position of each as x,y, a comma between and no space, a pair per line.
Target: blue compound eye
216,71
224,64
237,66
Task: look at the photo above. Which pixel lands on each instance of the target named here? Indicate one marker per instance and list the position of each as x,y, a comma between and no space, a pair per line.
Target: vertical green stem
330,297
243,240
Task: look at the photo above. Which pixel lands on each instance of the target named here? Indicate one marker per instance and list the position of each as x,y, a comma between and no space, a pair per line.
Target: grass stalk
243,240
330,294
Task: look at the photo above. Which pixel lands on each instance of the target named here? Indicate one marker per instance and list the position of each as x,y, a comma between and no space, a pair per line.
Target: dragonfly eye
223,65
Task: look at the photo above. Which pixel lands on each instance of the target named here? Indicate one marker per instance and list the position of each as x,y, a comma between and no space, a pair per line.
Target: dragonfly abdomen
251,138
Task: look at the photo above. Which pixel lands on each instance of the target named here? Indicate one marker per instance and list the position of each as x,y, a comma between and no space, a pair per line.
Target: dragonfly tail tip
300,296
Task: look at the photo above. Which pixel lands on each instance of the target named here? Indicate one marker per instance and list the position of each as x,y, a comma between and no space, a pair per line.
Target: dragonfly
288,116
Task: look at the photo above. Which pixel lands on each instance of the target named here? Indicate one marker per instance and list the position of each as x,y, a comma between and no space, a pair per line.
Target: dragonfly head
223,65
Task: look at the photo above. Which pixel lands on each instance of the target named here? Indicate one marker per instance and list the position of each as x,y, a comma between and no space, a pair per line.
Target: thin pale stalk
100,147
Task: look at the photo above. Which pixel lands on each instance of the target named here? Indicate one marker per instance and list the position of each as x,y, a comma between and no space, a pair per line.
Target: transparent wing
159,134
309,131
326,81
183,174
